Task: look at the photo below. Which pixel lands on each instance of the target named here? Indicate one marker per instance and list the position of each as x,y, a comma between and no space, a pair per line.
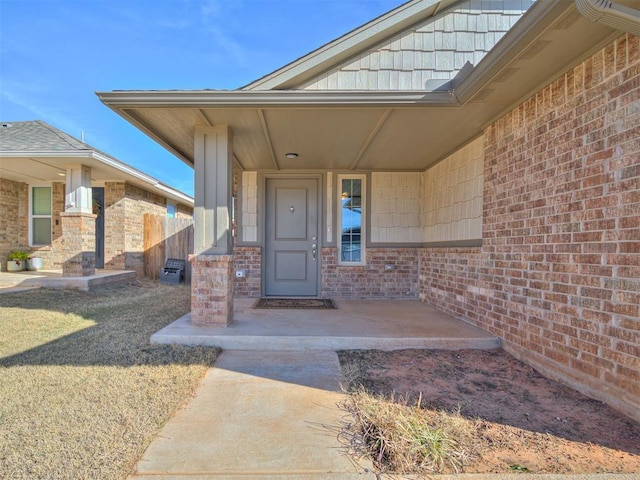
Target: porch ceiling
371,130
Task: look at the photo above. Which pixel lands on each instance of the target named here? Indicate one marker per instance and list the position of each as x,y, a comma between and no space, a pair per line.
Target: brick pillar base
78,244
212,290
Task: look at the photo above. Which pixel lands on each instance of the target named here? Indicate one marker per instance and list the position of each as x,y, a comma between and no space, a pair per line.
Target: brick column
212,290
78,244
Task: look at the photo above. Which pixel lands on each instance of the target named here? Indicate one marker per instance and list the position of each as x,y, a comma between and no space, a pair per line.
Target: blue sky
54,54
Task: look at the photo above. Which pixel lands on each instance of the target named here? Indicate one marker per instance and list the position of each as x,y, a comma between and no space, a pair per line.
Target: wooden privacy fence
166,238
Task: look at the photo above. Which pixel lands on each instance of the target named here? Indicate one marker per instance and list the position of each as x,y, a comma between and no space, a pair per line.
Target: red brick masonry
558,276
212,279
78,244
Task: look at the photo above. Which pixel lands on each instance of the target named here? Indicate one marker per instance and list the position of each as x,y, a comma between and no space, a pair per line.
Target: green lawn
82,392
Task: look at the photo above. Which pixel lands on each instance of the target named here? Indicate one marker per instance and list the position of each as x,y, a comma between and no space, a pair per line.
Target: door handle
314,250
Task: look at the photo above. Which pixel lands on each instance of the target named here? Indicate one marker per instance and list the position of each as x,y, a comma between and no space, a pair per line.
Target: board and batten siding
435,49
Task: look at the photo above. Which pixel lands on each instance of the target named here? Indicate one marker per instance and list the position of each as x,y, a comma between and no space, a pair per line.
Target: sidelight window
351,219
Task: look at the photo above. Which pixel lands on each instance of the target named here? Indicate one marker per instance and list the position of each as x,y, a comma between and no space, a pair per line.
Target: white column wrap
78,189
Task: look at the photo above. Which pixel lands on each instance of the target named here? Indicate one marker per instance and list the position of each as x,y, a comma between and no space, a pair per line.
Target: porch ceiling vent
612,14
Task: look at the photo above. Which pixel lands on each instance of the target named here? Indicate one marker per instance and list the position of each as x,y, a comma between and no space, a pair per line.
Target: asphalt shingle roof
36,136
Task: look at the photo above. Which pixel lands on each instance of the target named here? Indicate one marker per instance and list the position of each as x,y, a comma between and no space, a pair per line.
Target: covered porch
408,162
355,324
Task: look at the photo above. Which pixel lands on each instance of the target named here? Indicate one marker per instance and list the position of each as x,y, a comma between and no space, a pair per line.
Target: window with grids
351,219
40,216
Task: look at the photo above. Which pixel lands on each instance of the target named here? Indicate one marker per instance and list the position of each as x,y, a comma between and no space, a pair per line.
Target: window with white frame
351,215
40,216
172,209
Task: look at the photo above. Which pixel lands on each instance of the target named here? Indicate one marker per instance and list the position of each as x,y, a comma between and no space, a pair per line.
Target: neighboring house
74,206
493,156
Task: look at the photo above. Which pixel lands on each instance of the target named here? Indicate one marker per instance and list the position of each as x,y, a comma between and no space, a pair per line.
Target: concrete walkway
258,414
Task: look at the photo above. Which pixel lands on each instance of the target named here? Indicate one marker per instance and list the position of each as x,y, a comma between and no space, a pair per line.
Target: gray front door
291,237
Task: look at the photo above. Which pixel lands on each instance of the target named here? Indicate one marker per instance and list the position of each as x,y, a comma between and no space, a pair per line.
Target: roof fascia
47,153
122,100
350,44
137,174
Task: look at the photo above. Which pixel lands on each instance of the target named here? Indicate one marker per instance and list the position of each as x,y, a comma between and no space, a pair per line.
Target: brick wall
23,212
14,227
248,259
125,206
138,202
558,275
114,231
212,290
342,281
10,224
450,277
371,280
78,244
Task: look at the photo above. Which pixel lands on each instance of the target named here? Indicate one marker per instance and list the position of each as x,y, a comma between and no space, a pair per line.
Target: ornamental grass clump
405,438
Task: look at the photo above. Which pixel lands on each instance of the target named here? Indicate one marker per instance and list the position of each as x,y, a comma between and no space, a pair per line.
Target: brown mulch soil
522,420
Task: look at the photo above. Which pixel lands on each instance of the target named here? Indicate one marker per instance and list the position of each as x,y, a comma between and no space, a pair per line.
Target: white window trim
363,226
32,216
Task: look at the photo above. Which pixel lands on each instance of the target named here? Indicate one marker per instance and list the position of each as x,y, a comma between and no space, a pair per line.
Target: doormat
300,303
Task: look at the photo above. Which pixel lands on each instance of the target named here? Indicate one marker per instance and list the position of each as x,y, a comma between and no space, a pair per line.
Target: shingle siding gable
435,49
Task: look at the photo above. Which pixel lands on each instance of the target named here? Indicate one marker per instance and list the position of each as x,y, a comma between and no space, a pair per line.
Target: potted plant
35,263
17,260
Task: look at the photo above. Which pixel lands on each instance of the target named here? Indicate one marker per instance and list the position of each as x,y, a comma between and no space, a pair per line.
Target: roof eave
118,100
135,174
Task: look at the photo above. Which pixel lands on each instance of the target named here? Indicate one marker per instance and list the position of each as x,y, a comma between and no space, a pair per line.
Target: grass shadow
120,319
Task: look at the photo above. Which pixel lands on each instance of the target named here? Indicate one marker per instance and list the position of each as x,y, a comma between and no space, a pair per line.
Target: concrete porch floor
356,324
26,280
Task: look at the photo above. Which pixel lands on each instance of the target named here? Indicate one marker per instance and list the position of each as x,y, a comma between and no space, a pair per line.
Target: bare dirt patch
517,420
